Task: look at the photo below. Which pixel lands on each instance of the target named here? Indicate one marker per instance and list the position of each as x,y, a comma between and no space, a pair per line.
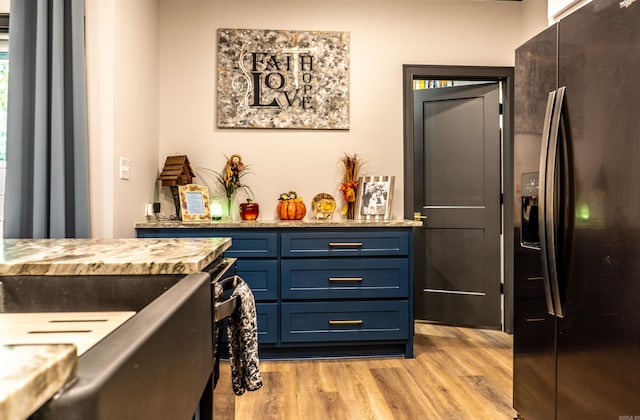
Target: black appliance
577,265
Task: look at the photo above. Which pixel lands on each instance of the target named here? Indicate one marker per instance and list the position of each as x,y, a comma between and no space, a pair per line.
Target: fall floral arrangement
231,176
351,166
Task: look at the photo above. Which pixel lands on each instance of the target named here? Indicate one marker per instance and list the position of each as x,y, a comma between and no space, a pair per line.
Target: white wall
384,36
151,80
122,73
533,20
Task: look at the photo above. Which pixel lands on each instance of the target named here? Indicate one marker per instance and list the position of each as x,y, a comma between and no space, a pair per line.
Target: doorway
458,160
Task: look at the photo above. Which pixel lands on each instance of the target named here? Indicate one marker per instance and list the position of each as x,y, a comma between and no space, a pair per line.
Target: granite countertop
30,375
28,257
305,223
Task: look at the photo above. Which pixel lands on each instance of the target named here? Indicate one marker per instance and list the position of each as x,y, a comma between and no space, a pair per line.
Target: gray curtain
47,190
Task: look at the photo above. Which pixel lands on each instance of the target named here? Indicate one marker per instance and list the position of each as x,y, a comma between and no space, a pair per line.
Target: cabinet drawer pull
345,244
345,278
346,322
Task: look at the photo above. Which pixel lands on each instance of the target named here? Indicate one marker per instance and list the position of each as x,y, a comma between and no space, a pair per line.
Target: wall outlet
125,168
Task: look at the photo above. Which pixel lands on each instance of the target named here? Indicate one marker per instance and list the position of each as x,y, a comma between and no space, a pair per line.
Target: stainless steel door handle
542,176
552,249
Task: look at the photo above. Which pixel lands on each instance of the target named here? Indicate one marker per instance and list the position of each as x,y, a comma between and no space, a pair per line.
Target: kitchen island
323,288
156,362
23,257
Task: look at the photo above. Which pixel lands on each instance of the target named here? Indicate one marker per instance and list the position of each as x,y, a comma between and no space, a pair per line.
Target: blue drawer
267,314
261,276
344,321
254,244
319,244
345,278
267,322
243,243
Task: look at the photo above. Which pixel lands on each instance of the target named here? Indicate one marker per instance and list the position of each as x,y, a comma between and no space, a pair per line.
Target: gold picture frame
373,201
194,202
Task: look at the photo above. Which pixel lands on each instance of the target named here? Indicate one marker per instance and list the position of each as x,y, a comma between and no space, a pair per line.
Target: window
4,100
4,87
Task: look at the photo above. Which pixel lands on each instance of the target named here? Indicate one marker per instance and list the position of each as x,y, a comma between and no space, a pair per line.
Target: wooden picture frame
373,201
194,202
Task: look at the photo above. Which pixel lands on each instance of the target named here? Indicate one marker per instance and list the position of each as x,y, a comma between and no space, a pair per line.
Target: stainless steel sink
157,365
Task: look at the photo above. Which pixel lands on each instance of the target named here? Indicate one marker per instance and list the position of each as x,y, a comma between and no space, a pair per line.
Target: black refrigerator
577,223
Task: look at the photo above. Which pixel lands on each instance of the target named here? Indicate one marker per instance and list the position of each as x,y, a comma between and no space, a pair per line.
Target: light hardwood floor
457,373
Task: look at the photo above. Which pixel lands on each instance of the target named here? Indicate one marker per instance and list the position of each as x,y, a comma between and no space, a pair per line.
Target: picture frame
194,202
373,200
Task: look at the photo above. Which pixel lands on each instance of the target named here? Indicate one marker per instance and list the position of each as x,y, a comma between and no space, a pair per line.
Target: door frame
500,74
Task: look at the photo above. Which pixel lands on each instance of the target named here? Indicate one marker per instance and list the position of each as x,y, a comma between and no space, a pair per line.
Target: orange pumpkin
291,209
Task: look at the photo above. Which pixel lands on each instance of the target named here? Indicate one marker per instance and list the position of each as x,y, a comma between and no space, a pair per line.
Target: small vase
228,210
351,210
249,211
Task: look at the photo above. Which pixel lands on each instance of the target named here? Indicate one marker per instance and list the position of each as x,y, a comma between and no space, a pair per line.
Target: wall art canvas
283,79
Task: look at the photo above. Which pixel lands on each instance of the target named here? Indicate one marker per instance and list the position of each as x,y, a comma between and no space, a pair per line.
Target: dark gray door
457,188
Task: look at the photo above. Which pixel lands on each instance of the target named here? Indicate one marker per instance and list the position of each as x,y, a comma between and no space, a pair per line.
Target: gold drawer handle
346,322
345,244
345,279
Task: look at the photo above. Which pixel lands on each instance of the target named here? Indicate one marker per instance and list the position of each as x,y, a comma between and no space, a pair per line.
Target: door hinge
500,109
502,288
501,198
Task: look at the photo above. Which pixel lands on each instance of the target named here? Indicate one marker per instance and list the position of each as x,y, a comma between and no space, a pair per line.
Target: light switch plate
125,167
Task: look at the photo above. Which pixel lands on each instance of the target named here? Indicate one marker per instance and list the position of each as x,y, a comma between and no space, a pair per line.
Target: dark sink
82,293
156,365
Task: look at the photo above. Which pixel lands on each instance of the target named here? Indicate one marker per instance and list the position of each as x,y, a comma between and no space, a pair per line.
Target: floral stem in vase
349,187
230,180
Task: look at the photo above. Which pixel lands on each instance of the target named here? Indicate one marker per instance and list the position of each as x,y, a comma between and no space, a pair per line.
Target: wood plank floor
458,373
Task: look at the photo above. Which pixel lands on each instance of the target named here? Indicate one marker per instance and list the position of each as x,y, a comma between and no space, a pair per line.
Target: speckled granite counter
30,375
306,223
25,257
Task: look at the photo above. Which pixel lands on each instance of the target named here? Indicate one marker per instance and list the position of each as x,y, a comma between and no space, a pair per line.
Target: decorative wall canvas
283,79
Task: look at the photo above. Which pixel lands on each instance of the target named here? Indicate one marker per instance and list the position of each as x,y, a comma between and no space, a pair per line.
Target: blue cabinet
334,321
346,278
267,322
262,276
323,291
355,243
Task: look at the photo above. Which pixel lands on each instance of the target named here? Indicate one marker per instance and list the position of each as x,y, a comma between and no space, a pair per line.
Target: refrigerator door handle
550,202
542,175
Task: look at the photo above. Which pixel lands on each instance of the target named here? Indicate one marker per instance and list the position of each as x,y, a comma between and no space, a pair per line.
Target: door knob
418,217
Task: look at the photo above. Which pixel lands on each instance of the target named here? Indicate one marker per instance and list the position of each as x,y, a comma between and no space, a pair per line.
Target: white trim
454,292
565,10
